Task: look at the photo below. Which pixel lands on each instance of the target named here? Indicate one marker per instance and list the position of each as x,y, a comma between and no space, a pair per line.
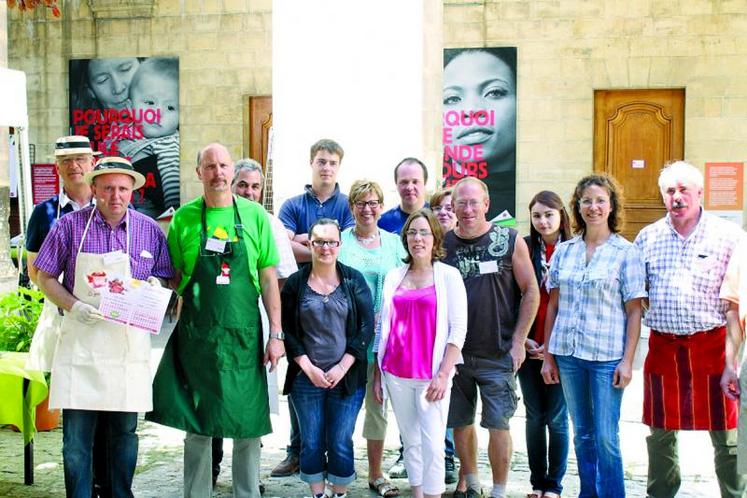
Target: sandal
535,494
384,487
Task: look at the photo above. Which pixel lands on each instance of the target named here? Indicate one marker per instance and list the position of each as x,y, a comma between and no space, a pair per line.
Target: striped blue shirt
591,323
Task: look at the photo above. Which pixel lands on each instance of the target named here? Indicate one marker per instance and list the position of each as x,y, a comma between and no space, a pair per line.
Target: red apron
681,382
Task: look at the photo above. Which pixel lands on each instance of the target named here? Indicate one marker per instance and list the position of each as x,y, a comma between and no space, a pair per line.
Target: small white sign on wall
638,163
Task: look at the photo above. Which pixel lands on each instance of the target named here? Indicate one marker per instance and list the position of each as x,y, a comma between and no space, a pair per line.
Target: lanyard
127,232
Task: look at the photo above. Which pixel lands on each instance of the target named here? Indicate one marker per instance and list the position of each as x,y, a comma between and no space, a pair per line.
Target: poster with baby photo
479,122
129,107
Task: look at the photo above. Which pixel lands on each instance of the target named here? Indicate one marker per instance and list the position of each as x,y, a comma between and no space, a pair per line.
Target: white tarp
13,98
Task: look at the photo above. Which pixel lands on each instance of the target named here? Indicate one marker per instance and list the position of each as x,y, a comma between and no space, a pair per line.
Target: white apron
104,366
44,342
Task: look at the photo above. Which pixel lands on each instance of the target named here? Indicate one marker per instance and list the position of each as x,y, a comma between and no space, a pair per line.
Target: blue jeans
294,448
327,420
594,405
546,413
78,428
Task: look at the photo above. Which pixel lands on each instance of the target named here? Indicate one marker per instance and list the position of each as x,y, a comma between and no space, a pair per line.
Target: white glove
85,313
154,281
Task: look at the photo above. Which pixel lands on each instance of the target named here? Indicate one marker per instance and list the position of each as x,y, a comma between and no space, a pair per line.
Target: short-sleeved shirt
591,323
734,286
300,212
45,215
394,219
149,255
287,265
185,236
493,295
684,275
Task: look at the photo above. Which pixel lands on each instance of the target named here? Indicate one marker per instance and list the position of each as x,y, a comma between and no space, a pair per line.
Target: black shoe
470,493
450,477
261,488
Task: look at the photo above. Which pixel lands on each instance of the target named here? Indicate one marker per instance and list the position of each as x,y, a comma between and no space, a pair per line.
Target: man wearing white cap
74,158
101,370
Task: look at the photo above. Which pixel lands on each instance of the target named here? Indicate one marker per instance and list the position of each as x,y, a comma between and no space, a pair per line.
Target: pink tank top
409,348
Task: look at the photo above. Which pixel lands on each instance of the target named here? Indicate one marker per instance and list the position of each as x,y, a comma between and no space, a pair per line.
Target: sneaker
286,468
398,470
451,472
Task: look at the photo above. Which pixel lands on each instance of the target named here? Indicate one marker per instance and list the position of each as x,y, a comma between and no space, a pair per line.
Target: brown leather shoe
286,468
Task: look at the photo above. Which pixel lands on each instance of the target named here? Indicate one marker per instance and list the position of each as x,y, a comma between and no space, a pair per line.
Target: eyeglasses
79,160
446,207
325,243
587,203
422,232
371,204
471,203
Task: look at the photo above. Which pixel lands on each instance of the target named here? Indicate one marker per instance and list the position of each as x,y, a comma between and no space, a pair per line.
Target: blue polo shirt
300,212
44,216
394,219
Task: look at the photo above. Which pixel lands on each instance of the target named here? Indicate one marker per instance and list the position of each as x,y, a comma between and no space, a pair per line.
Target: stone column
8,275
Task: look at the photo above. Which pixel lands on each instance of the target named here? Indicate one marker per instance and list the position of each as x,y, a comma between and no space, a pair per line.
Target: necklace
366,240
325,288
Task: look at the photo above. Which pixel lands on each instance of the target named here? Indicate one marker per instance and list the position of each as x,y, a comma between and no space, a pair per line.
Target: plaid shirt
149,255
684,275
591,323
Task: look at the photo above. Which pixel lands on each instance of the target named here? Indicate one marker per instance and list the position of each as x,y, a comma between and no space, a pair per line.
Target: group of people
423,308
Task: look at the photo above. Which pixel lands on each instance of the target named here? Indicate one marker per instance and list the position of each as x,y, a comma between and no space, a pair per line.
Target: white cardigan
451,311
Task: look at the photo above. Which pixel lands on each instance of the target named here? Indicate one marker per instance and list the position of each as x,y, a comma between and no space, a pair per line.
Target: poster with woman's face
129,107
479,122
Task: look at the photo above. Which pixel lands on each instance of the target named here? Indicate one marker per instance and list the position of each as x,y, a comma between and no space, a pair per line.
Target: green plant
19,314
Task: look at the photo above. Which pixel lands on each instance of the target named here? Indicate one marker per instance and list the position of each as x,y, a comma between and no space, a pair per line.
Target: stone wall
569,48
224,50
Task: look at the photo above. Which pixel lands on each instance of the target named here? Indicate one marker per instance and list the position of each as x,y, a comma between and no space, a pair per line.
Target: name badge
222,280
488,267
114,257
215,245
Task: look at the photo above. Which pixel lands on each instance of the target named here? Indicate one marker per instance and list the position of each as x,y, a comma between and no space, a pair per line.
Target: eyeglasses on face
587,203
319,243
372,204
422,232
79,160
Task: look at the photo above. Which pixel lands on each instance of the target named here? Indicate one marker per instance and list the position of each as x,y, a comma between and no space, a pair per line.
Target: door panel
260,123
637,132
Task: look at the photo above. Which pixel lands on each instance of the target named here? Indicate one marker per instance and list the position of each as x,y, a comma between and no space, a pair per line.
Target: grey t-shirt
323,320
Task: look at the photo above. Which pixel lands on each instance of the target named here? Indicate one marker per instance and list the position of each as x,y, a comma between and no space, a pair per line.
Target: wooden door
259,121
636,133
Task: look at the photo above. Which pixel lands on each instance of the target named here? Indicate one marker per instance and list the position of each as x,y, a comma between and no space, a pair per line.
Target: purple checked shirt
149,254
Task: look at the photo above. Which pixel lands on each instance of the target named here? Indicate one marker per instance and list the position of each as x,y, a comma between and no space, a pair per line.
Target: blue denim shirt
300,212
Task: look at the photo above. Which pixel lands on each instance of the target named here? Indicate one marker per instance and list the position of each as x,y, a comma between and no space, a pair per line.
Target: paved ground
159,472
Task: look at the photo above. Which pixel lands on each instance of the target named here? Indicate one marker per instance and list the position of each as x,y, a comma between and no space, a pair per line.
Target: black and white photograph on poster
479,123
129,107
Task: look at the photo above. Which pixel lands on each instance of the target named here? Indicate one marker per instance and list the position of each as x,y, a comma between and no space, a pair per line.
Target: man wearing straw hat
74,158
101,370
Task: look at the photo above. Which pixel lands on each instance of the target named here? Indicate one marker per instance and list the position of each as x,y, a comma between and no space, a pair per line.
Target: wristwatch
280,336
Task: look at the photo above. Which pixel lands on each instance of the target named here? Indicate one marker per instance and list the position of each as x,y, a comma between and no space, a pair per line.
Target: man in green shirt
211,381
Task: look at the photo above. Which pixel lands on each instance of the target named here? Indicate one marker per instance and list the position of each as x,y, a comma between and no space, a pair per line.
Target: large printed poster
479,122
129,107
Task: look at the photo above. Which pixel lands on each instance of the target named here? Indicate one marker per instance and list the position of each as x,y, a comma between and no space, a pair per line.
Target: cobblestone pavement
159,471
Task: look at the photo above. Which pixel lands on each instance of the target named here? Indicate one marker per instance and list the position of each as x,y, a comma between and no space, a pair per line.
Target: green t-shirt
374,264
184,236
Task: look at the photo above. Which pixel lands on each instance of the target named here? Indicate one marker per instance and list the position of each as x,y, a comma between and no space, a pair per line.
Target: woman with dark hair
593,322
546,411
479,99
328,320
422,329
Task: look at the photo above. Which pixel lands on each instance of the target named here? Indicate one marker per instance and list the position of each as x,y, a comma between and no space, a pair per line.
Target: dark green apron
211,380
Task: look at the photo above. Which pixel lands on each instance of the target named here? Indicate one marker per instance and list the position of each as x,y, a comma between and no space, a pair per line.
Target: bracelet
343,370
